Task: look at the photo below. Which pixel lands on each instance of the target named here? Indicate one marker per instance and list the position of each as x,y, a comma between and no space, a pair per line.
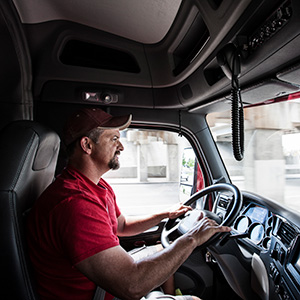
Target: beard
114,163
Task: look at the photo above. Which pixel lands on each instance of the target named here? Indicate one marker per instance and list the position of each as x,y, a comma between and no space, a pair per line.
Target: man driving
73,228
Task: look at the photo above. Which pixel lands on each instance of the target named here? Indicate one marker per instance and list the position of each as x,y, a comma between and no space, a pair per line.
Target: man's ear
86,145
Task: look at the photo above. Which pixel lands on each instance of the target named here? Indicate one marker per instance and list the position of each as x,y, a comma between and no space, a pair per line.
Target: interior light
102,97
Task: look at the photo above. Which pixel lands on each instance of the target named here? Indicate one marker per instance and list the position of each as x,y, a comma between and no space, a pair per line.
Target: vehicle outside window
271,163
157,171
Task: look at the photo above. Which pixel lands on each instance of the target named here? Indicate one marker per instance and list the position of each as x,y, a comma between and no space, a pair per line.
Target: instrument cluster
256,224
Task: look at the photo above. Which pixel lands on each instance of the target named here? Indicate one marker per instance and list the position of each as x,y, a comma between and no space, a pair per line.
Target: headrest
26,149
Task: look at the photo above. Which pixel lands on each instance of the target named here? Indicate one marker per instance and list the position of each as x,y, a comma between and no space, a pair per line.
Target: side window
157,170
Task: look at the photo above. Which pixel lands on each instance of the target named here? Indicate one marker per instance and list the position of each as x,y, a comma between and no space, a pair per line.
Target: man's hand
177,210
205,228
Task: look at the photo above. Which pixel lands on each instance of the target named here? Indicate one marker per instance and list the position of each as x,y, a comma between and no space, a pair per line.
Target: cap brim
119,122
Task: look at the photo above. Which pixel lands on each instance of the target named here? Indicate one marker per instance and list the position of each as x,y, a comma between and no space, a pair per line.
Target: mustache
117,152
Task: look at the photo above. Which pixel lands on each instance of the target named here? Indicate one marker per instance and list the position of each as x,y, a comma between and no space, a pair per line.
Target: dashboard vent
287,233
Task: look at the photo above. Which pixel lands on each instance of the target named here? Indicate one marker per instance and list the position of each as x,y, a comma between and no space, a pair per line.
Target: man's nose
120,146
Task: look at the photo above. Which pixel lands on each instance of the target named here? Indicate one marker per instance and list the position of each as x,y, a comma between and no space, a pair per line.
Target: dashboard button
274,254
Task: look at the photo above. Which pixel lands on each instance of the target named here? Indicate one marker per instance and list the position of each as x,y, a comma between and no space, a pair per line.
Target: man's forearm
128,226
118,273
134,225
155,270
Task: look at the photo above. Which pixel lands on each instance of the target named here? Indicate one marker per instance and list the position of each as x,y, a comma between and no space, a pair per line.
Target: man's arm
128,226
116,271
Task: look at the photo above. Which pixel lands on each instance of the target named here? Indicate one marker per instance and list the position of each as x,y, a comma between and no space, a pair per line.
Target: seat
28,156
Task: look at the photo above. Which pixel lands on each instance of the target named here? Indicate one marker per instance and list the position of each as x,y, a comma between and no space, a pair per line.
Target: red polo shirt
71,221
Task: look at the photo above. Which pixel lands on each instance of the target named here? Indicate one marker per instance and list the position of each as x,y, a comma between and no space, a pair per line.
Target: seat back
28,156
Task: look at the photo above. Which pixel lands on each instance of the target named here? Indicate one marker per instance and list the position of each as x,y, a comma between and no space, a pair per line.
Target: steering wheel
229,209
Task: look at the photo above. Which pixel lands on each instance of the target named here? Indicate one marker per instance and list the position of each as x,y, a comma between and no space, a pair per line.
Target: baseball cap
85,120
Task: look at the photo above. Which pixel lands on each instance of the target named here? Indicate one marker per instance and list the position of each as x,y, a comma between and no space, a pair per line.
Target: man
73,229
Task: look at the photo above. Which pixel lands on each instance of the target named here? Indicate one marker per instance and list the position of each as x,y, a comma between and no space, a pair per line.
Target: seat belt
100,294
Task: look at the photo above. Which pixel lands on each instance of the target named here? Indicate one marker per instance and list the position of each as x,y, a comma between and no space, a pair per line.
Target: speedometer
256,232
242,223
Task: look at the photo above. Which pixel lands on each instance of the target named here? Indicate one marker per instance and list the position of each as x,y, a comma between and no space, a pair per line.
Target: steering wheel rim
170,226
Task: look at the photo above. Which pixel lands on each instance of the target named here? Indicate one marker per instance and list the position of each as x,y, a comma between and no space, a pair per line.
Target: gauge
269,231
256,232
266,242
242,223
270,221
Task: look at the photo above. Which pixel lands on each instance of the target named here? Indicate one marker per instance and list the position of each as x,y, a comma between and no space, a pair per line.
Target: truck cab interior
213,87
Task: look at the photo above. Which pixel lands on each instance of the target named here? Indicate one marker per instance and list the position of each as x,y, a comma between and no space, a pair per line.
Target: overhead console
263,39
272,25
252,38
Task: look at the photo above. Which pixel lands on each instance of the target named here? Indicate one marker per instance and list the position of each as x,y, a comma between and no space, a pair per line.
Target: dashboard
266,231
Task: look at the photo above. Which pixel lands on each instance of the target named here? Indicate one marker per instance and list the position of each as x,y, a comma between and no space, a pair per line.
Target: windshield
271,163
156,171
